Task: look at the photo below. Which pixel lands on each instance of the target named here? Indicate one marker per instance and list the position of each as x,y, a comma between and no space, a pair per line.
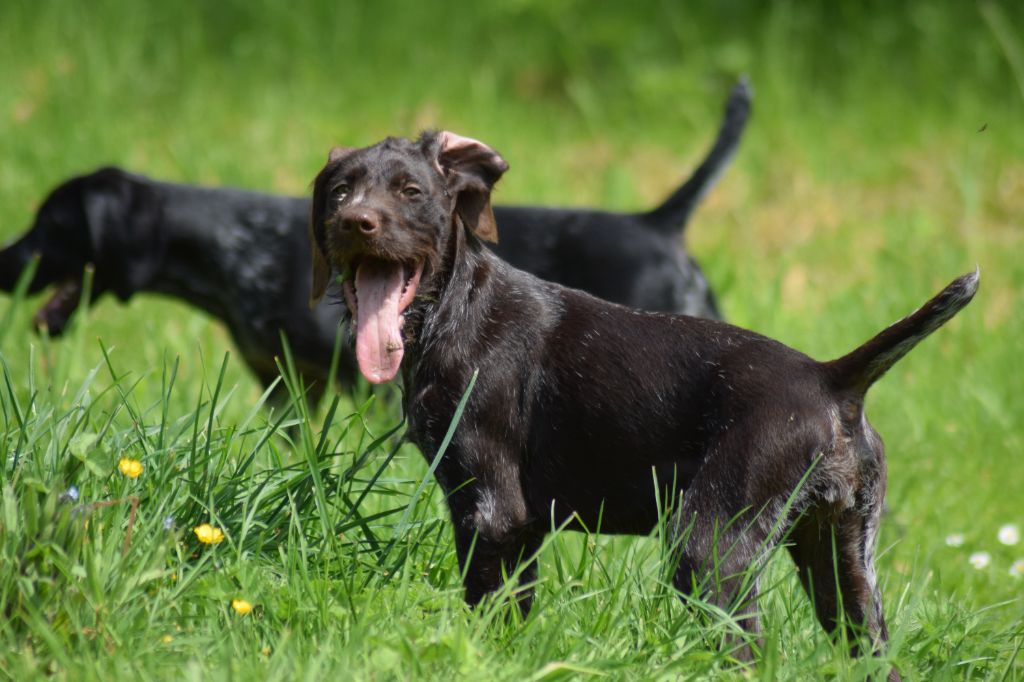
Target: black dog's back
636,259
614,256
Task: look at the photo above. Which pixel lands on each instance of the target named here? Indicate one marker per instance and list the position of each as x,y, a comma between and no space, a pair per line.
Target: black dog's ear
126,246
321,268
471,168
318,213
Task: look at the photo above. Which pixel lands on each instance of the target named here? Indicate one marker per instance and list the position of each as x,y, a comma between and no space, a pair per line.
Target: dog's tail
856,371
672,215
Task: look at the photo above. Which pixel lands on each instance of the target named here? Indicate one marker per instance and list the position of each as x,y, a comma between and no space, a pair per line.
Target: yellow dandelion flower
241,606
207,534
265,651
166,639
131,468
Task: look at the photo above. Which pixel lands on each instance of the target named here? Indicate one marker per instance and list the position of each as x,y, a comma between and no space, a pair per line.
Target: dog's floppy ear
127,246
321,270
471,168
317,244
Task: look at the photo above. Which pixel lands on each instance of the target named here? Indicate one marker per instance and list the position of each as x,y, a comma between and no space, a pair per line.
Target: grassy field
885,157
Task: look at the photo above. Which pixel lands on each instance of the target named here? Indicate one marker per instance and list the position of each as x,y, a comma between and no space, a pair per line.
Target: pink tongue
379,347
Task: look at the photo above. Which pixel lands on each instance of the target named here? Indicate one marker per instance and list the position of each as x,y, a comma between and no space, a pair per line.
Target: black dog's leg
492,535
835,573
486,562
713,562
266,371
720,538
834,557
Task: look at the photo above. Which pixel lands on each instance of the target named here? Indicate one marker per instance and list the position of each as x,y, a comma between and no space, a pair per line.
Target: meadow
885,156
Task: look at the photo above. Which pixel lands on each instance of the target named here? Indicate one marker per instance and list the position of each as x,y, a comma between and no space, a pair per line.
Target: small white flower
955,539
980,560
1017,568
1009,534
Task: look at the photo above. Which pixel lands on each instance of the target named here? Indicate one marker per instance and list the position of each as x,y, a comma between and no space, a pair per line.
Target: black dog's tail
674,213
856,371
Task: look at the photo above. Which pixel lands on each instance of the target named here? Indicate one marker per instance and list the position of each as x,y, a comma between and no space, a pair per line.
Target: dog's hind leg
719,542
733,514
834,555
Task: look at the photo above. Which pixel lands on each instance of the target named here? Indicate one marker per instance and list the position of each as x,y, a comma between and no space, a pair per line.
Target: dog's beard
382,291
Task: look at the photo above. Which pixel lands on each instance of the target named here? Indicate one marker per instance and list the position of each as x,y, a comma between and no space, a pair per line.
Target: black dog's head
384,218
83,221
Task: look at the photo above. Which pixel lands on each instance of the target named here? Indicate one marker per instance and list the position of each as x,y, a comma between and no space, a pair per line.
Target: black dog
243,257
578,400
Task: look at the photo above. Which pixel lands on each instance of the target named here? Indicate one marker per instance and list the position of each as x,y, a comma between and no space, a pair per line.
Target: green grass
885,157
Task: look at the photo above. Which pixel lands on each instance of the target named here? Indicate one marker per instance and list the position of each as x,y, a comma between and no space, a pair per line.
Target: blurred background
884,157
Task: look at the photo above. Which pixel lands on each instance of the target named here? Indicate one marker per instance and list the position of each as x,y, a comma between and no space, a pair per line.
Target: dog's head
84,220
384,218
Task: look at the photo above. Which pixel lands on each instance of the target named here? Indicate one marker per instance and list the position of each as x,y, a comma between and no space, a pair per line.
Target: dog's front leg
493,538
486,563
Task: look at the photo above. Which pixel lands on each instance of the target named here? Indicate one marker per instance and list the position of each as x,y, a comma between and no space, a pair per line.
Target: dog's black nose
367,222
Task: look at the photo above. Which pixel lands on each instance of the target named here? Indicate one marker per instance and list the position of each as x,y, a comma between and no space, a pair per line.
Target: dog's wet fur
243,257
579,400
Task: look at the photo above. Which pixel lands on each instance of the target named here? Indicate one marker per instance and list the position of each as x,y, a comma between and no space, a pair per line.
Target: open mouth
377,296
55,313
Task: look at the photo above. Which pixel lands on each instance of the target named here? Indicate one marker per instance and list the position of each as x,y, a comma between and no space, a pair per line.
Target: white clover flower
980,560
955,539
1009,534
1017,568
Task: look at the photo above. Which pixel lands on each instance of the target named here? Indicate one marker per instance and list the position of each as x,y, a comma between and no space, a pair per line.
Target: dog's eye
340,192
411,191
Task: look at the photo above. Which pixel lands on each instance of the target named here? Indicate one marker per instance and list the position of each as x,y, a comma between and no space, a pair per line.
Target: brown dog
578,400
